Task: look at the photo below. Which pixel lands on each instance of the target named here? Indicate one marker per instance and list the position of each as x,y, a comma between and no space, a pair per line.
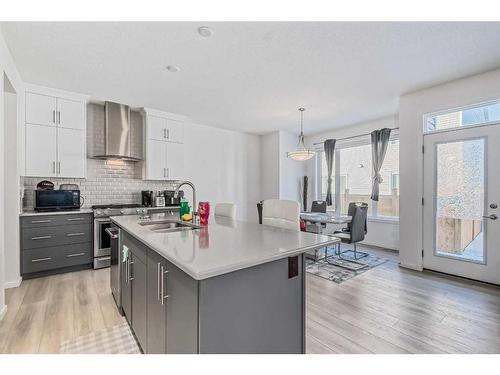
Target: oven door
102,239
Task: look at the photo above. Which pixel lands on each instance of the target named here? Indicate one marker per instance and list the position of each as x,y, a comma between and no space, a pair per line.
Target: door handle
54,167
158,281
59,117
58,167
491,217
130,277
163,296
164,133
168,133
54,116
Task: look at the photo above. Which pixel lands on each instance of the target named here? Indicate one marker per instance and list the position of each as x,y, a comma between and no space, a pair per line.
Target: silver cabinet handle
164,172
76,219
491,217
40,221
54,167
168,172
158,281
40,260
75,234
58,167
41,238
126,270
54,116
75,255
164,133
130,278
168,133
59,117
163,296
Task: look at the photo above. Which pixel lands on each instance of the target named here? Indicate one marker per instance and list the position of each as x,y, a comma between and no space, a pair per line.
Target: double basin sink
168,225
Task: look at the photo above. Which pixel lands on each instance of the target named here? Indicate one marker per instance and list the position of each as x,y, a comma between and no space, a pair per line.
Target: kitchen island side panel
254,310
182,312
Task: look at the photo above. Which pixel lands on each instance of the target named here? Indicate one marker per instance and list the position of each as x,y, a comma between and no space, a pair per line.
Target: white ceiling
253,76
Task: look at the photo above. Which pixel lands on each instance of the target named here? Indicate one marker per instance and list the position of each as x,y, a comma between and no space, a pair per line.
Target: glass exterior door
461,193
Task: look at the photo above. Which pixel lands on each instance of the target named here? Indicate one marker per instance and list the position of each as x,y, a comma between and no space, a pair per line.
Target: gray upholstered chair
356,229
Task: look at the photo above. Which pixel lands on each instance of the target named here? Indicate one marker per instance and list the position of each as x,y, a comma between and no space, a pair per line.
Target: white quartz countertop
62,212
224,245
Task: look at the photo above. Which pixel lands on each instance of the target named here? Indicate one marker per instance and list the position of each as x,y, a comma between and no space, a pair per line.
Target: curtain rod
354,136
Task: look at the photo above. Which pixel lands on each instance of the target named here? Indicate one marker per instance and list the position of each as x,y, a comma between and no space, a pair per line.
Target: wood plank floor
385,310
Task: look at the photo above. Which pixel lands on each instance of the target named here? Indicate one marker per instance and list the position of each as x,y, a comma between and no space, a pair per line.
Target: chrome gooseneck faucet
176,194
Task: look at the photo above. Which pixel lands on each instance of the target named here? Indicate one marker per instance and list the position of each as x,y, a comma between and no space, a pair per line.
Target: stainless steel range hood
117,133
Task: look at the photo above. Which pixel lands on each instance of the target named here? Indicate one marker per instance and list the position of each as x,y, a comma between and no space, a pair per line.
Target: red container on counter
204,212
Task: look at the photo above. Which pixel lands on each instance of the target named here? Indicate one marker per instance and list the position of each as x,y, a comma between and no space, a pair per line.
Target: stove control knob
122,211
98,213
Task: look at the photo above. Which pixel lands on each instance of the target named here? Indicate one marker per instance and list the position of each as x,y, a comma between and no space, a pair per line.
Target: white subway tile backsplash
105,183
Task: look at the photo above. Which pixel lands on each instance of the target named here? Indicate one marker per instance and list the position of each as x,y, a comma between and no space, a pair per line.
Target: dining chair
281,214
316,206
225,210
356,229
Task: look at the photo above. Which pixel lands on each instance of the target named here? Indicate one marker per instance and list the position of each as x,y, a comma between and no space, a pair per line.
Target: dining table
320,218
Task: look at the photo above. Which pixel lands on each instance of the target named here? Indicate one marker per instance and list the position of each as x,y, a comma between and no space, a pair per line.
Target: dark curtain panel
329,153
380,141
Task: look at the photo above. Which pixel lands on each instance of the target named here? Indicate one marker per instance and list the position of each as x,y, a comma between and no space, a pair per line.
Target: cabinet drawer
40,259
73,255
53,220
53,236
47,258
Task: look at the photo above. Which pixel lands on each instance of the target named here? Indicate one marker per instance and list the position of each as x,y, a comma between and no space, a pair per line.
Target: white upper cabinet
157,128
41,150
70,153
70,114
55,133
175,131
175,161
41,109
164,148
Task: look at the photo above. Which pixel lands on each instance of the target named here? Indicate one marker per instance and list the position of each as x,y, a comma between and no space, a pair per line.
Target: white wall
224,166
291,172
281,177
270,166
412,107
380,233
11,206
7,67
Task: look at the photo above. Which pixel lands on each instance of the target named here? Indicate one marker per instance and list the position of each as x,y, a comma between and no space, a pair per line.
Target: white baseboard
3,311
411,266
13,284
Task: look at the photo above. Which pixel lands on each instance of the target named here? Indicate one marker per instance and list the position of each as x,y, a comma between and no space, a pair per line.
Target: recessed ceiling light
173,68
205,31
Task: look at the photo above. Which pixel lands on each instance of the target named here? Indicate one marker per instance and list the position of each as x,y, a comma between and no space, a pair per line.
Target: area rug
345,268
115,340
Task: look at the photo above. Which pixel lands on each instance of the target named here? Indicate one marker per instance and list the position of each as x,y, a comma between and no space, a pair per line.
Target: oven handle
113,233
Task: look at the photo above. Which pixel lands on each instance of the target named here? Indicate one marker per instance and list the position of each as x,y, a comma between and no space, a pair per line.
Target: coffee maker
170,200
147,198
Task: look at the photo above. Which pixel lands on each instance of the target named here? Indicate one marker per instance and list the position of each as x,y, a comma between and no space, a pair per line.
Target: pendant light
302,153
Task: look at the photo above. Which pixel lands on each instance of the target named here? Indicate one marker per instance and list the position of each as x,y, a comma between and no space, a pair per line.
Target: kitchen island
229,287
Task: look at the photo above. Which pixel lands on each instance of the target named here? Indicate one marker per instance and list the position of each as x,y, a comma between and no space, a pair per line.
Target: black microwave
53,200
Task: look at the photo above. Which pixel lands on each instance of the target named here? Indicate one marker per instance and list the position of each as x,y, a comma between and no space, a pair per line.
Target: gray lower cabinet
138,272
55,243
157,304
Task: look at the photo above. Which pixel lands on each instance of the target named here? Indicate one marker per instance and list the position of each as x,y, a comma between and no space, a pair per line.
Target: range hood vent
118,133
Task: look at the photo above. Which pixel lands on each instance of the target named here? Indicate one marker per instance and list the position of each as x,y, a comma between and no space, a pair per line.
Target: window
353,177
473,115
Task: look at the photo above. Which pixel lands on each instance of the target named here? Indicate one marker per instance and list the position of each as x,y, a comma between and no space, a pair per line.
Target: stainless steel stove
102,238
